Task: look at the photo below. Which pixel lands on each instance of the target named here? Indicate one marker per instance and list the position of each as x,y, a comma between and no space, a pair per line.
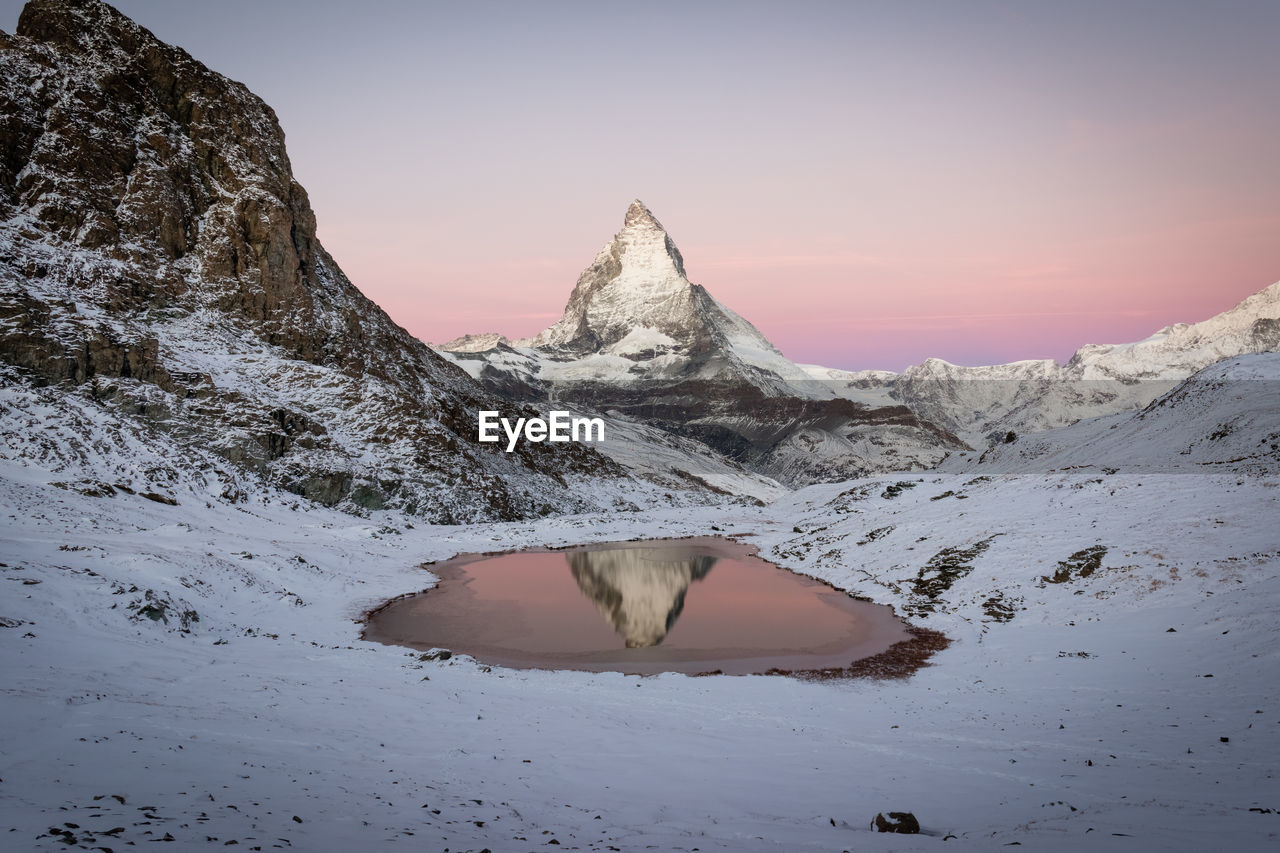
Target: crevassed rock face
156,254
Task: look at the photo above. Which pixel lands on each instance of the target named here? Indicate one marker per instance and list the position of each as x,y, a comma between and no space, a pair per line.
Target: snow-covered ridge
1176,351
474,343
982,404
1224,416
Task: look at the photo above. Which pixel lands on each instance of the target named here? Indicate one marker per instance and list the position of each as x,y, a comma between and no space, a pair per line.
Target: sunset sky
869,183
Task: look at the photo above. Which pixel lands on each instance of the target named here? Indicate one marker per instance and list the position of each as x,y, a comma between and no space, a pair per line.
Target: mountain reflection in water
522,609
639,590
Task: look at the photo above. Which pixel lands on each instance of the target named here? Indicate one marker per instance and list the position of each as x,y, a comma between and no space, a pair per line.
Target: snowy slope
981,404
668,460
1065,715
1227,414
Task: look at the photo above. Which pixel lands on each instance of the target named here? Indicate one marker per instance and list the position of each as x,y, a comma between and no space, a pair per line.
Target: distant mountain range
1224,417
638,339
982,404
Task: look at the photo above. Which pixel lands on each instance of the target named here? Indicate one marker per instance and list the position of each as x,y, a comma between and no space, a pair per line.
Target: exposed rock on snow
901,822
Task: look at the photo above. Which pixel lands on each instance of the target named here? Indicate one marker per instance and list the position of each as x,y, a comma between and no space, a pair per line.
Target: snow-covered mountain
159,269
180,634
639,339
1177,351
983,404
1223,417
635,301
635,316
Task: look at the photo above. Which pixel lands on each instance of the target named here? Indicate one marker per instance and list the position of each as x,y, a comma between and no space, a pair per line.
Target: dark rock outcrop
150,225
901,822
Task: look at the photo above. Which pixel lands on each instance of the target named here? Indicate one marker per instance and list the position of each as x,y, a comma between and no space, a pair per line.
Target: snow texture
194,670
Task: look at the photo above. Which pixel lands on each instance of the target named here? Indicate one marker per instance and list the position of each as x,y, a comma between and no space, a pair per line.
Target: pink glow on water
672,605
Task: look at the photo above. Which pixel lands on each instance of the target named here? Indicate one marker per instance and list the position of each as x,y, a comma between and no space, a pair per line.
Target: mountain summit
637,213
635,300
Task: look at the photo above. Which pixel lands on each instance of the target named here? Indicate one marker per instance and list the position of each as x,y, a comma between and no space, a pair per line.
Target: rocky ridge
158,259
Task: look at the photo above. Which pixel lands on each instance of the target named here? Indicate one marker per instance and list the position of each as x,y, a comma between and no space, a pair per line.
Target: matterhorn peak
636,280
638,214
636,301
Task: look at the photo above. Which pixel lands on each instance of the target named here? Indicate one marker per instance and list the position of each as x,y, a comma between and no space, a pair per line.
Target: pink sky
870,184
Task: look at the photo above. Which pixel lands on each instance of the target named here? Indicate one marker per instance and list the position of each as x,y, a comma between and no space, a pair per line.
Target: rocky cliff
157,257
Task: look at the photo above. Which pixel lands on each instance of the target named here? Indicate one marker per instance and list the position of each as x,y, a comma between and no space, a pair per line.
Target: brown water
671,605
